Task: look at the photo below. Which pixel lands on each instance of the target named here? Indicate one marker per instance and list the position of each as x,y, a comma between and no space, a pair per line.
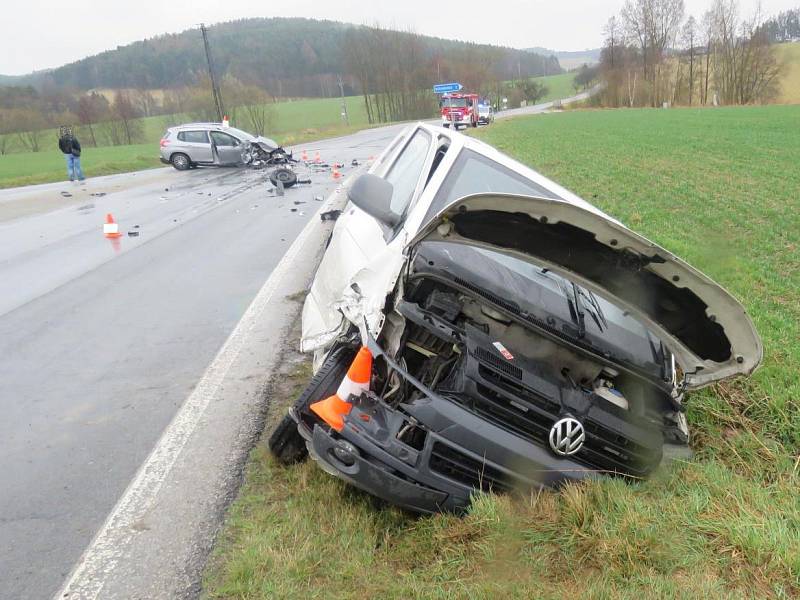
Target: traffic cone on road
356,382
336,173
305,156
317,159
111,227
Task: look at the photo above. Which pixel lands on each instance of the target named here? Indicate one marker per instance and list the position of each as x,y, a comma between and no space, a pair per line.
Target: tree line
288,57
655,53
395,70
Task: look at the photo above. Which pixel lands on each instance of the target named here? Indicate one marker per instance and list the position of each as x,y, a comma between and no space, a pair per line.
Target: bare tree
30,126
652,26
6,128
612,35
689,35
745,67
92,108
708,35
125,112
145,102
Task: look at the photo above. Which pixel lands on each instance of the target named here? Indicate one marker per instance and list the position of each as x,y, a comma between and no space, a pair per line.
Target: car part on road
286,177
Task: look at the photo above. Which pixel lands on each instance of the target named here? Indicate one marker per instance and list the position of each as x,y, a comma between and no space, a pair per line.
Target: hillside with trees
287,57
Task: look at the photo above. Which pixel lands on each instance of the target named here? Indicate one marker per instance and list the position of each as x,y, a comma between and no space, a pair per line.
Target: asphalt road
101,342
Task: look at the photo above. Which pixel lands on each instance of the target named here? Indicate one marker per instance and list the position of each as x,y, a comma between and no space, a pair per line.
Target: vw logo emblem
566,436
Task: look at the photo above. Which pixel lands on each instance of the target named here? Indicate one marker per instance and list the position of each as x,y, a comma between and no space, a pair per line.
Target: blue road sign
444,88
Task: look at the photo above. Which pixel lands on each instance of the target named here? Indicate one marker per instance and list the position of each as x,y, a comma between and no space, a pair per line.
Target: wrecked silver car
476,326
215,144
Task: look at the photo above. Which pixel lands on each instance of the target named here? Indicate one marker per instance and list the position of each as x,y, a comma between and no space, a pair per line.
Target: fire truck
459,109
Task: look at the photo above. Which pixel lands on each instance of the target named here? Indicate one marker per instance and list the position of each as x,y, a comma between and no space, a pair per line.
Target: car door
227,149
196,145
363,251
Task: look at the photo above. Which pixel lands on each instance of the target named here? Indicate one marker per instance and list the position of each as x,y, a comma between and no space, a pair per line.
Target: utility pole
344,104
215,92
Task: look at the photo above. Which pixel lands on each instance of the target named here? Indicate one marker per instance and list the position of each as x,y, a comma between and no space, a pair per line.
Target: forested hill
286,56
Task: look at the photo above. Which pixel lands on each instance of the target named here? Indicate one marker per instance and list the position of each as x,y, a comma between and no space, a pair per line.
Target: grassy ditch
720,188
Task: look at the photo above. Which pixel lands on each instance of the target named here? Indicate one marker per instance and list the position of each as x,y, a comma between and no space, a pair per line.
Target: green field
558,86
294,122
720,187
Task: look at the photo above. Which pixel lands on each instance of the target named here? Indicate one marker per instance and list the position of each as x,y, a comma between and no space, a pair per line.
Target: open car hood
707,330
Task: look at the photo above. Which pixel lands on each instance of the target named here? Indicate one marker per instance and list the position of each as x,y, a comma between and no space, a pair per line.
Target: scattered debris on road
133,234
66,194
98,194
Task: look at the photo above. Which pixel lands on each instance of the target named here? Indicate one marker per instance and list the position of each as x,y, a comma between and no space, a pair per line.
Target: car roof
197,125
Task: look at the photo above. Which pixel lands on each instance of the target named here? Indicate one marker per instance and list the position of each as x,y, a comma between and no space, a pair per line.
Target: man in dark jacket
71,147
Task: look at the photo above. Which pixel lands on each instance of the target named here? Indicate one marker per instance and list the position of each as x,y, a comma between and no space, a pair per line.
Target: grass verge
719,187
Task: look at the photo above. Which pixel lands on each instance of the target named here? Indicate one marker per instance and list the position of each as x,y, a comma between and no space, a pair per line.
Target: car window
223,139
193,137
405,172
476,174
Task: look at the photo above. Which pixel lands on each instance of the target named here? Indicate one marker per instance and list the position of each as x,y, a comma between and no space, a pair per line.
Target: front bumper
461,454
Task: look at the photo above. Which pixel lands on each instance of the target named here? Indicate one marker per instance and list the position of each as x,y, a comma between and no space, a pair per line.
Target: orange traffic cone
305,156
334,408
111,228
336,173
316,157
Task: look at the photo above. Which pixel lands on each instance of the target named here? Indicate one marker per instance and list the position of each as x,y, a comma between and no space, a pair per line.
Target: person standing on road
71,147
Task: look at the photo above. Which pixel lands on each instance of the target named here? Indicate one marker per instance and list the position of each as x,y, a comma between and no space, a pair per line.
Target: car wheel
285,442
285,176
180,161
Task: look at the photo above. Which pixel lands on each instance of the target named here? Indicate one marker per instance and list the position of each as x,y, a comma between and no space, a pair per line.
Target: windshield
475,174
454,102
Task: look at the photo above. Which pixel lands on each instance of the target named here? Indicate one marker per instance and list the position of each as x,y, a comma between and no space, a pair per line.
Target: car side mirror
373,195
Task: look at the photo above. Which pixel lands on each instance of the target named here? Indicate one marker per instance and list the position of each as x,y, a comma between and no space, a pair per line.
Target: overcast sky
40,34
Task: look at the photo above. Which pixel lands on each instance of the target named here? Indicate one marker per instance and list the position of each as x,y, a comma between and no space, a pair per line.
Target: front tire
180,161
285,442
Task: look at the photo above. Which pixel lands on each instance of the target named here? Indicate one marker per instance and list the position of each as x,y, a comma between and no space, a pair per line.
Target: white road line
103,554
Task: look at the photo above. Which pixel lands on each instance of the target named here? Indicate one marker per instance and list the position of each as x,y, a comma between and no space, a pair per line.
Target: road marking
105,551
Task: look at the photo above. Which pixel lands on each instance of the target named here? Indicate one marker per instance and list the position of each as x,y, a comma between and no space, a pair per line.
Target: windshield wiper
576,300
